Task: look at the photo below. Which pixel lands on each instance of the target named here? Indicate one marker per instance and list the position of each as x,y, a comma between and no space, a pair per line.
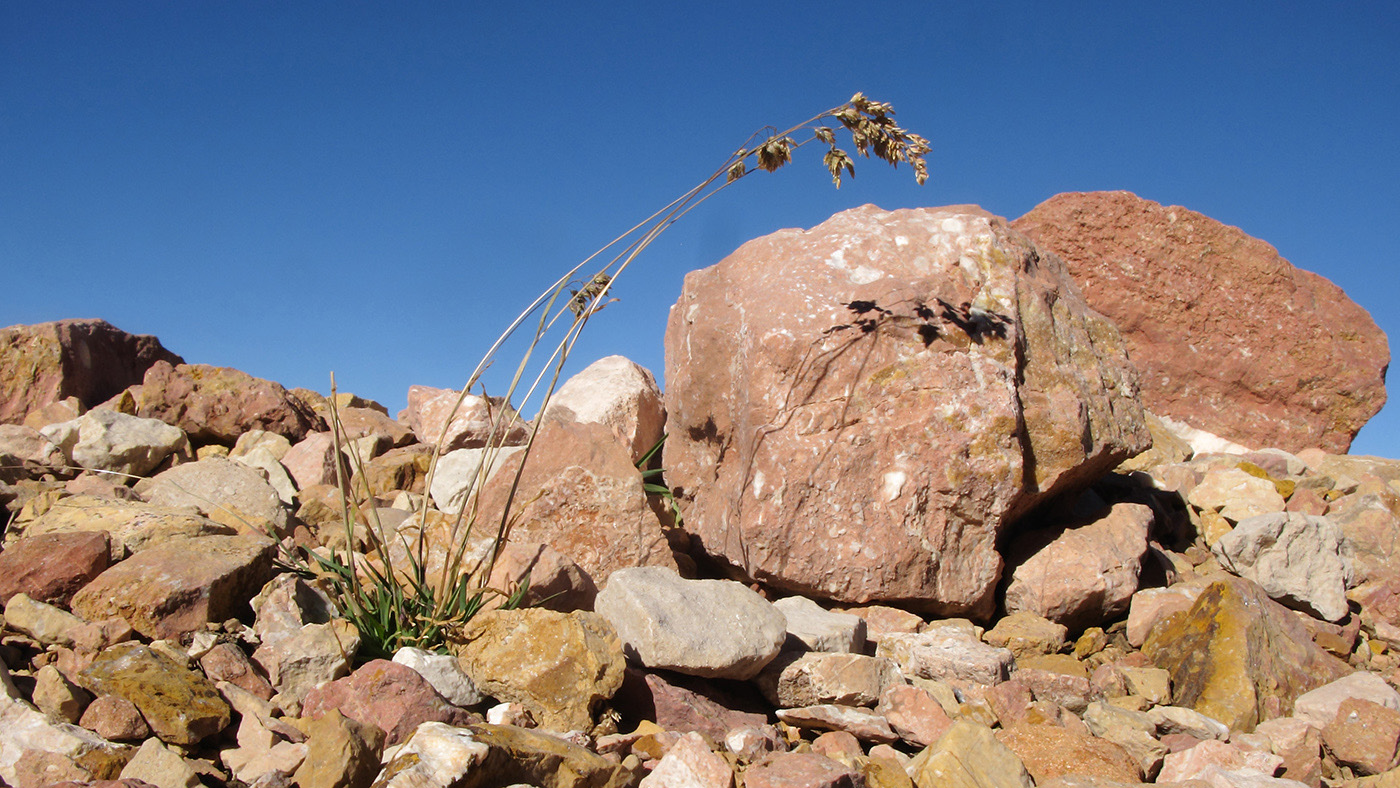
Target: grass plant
411,602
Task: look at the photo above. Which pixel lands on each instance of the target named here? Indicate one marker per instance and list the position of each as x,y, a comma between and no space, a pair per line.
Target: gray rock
710,628
1300,560
847,679
436,755
459,474
444,673
947,654
316,654
819,629
105,440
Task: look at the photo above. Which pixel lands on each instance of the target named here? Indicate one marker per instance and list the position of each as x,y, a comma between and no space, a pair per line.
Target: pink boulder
857,411
1228,335
393,697
88,359
218,404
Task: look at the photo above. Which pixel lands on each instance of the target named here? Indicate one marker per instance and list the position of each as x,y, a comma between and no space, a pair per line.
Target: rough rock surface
89,359
711,628
476,422
1229,336
918,378
218,404
619,394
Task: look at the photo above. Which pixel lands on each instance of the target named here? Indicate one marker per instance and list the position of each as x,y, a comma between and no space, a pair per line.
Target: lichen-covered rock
1230,337
560,666
181,705
218,404
857,411
1238,656
91,360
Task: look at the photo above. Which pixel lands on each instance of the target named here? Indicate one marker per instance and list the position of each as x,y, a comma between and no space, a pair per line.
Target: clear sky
375,189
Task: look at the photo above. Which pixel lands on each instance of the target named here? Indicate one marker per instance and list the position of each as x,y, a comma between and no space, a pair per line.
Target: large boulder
858,410
1229,336
88,359
218,404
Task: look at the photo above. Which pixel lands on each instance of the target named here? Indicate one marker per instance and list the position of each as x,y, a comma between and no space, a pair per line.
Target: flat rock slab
132,525
163,593
709,628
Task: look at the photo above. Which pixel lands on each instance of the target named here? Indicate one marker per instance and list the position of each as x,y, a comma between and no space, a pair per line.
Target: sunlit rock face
857,411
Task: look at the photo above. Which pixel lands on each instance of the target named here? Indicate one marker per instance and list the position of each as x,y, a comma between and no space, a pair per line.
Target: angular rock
618,394
690,764
218,404
1235,494
861,723
819,629
227,662
359,423
115,719
162,593
560,666
947,654
263,460
919,378
1173,720
180,705
581,495
26,453
1238,656
340,753
52,567
1301,561
1321,705
91,360
968,756
69,750
1151,605
436,754
555,581
105,440
44,622
223,491
1229,336
914,714
391,697
1373,530
154,763
133,526
1218,763
313,460
444,673
801,770
1049,751
404,468
461,472
57,697
846,679
1134,731
314,655
530,757
1364,736
1083,576
1023,633
472,425
685,703
711,628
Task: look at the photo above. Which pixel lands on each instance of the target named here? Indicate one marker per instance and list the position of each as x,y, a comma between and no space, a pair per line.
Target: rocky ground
870,587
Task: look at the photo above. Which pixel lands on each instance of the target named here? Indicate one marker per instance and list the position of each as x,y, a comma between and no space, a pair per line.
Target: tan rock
561,666
969,756
1049,751
133,526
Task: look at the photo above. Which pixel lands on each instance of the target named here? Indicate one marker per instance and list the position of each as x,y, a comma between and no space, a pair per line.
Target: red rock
217,404
1049,751
555,581
163,593
858,410
312,460
52,567
363,422
915,714
581,495
685,703
115,719
1081,576
392,697
1364,736
89,359
227,662
468,426
1229,336
801,770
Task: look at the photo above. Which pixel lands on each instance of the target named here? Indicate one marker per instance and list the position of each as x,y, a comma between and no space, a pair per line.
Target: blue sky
296,188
